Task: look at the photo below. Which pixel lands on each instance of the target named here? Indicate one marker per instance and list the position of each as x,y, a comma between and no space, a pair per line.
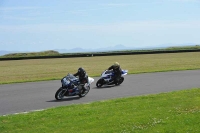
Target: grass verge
177,111
14,71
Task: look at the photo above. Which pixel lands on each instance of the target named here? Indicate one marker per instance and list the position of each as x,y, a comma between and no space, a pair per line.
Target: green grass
173,112
14,71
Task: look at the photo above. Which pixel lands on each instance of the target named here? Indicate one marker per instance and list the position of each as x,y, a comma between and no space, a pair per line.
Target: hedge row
99,54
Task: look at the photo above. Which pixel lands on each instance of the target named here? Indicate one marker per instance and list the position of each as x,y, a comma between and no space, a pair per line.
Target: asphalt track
25,97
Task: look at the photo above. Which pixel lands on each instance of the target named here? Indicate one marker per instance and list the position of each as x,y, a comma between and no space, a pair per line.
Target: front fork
64,91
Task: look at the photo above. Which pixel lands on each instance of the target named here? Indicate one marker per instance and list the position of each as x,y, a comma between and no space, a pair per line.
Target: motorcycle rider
117,72
83,78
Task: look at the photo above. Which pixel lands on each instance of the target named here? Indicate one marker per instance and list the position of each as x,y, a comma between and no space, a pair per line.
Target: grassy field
173,112
49,69
177,111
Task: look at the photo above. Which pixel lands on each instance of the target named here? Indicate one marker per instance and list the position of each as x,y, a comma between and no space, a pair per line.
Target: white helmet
116,64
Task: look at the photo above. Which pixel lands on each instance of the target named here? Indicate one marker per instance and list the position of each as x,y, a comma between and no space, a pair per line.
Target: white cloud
18,18
136,26
185,0
116,4
18,8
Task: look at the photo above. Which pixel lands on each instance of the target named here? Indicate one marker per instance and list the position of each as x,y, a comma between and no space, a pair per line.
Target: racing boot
80,89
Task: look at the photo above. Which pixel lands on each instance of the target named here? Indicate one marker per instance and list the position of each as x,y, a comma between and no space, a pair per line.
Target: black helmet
81,70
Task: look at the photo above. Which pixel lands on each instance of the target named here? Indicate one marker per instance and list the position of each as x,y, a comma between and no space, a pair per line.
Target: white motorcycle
71,87
107,76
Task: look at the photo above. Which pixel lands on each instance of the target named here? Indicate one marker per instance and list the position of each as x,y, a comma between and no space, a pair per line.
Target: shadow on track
66,99
105,87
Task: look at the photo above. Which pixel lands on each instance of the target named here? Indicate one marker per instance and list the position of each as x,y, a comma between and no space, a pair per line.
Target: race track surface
22,97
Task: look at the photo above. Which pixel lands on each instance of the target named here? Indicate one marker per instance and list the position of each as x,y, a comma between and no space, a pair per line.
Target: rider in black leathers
117,71
83,78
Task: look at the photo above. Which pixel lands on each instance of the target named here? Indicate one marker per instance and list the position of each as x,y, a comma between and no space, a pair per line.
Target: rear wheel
99,83
60,94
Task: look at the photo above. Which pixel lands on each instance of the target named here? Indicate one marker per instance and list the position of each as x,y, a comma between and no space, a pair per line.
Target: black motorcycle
71,87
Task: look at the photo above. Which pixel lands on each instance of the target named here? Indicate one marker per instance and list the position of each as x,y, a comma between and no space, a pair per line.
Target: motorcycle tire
60,94
99,83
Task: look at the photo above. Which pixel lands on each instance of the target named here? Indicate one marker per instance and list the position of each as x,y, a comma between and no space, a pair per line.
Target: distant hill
120,48
29,54
75,50
4,52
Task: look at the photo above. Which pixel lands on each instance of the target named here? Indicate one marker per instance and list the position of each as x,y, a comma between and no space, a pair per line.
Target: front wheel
99,83
60,94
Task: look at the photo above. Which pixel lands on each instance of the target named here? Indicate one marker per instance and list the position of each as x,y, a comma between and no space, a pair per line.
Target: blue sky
39,25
